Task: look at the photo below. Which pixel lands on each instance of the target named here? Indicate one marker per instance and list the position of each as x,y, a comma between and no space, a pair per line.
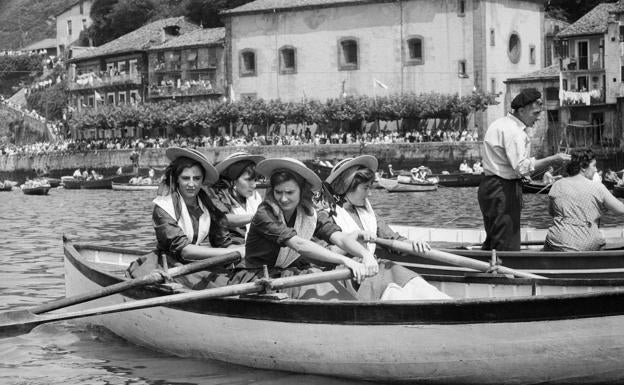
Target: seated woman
184,220
349,184
281,231
235,193
576,204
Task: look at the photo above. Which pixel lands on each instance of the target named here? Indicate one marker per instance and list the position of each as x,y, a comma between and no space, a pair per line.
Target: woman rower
184,220
281,231
235,193
576,204
349,185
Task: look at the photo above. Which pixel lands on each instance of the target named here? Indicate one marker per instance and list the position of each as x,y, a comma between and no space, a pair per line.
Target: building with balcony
590,76
324,49
70,22
116,72
189,67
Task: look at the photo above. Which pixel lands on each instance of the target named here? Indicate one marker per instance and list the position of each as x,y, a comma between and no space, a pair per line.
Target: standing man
507,159
134,157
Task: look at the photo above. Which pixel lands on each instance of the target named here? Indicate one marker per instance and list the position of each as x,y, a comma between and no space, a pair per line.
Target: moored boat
36,190
466,242
495,330
6,187
133,186
461,179
536,188
394,185
104,183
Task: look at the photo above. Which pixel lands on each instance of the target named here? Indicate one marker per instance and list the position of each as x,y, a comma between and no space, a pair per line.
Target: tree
128,15
572,10
206,12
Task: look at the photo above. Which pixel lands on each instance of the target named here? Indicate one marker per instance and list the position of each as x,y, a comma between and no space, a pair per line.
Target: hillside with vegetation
23,22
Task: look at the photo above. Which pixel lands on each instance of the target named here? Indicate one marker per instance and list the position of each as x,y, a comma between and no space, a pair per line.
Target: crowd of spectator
304,138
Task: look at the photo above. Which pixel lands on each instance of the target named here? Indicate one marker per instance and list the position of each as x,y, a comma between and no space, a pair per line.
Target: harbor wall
436,155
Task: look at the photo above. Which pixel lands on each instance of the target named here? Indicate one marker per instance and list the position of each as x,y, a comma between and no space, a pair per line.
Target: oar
150,279
452,259
16,323
544,188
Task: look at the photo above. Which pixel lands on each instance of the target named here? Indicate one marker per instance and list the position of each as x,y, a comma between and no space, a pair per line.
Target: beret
525,97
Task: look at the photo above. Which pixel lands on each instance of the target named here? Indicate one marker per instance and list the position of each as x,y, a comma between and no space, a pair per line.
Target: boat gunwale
551,307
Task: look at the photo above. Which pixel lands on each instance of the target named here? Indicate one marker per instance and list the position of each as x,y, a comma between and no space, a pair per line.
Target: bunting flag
98,97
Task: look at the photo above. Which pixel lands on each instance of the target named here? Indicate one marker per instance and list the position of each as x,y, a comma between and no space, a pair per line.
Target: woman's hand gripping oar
452,259
150,279
23,322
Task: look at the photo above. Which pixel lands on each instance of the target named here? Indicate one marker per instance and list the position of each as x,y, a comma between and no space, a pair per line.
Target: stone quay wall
436,155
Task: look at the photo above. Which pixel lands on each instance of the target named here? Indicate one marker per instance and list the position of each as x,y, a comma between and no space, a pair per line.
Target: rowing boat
563,264
495,331
536,188
36,190
394,185
461,179
134,186
95,184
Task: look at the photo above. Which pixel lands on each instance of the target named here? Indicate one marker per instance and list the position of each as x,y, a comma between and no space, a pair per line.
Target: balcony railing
169,91
573,98
93,80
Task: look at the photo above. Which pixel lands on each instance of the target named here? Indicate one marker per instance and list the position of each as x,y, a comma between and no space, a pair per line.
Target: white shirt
507,149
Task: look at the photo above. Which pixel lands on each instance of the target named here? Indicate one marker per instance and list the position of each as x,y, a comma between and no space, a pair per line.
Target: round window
514,49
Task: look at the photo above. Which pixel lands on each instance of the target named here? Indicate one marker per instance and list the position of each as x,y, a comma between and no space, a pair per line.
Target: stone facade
324,51
71,22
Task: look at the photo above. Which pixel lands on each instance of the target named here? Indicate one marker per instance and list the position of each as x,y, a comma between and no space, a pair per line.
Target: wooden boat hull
392,185
6,188
40,190
459,179
133,187
519,338
589,264
535,188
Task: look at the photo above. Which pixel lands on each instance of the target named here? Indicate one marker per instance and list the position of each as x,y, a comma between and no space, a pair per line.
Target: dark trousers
500,201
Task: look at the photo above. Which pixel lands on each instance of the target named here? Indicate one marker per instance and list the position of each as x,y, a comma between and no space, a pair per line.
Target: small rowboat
496,330
104,183
6,187
393,185
134,186
462,179
535,188
37,190
467,242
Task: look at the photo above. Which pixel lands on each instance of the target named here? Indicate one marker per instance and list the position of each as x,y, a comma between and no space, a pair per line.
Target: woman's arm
318,253
614,204
195,252
238,220
349,243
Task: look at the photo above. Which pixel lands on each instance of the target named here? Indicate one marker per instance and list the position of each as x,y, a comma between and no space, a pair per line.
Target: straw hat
367,161
235,158
268,166
210,172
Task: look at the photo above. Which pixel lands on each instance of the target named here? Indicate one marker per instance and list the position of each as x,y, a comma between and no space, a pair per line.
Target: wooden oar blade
15,323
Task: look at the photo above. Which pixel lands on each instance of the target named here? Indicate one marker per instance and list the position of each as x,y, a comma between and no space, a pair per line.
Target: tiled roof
193,38
283,5
618,7
592,23
140,39
544,73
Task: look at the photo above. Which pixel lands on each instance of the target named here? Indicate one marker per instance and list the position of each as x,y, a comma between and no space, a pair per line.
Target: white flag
98,97
380,84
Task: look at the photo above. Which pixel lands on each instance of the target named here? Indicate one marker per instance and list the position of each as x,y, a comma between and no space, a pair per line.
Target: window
622,74
110,98
247,63
621,32
415,50
69,28
90,100
461,8
84,24
121,97
552,93
248,96
133,65
134,97
531,54
348,54
583,55
212,56
492,37
122,67
564,84
461,69
514,49
582,83
174,60
191,59
493,85
288,60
